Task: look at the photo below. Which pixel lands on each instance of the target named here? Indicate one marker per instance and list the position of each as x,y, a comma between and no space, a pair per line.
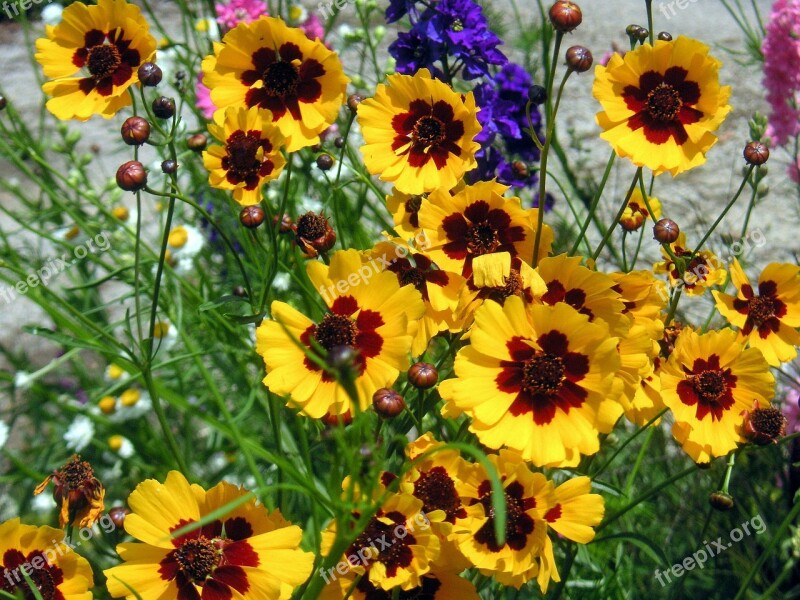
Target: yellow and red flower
661,104
703,271
92,58
439,585
368,311
767,320
250,155
419,133
636,213
266,64
708,382
78,493
537,380
41,552
246,553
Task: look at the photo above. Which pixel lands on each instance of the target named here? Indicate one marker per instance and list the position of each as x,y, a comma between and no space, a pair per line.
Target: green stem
610,230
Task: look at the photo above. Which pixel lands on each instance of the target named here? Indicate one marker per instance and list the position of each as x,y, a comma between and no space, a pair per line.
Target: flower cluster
781,73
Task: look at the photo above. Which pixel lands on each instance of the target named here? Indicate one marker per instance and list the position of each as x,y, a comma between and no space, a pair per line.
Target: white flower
165,334
23,380
210,26
3,434
43,503
115,374
80,433
133,403
122,446
282,282
51,14
298,14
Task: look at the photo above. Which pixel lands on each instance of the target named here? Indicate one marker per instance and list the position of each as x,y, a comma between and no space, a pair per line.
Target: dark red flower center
311,226
242,149
709,385
387,543
543,374
103,60
412,276
428,131
336,330
519,524
426,591
197,558
664,102
46,579
482,239
281,79
761,309
437,490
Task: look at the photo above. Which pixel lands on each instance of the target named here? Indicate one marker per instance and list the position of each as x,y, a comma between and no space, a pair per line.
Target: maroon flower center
386,544
437,491
482,239
311,226
413,204
709,385
412,276
664,103
197,558
543,374
428,131
281,79
103,60
41,578
761,309
519,524
336,330
242,149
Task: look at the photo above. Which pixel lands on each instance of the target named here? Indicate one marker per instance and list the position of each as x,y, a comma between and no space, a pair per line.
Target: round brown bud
3,102
197,142
316,148
666,231
537,94
339,142
520,168
325,162
565,16
353,101
387,403
135,131
314,234
163,107
764,426
756,153
579,59
423,375
239,292
117,515
252,216
286,223
336,420
131,176
721,501
149,74
664,36
169,166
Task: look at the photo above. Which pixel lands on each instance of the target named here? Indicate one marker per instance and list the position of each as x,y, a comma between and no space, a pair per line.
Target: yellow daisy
701,272
636,213
92,58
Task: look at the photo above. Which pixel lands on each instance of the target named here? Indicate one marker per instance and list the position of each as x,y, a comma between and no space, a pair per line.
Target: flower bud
423,375
149,74
239,292
519,168
664,36
163,107
666,231
339,142
131,176
286,223
252,216
756,153
721,501
314,234
579,59
117,515
169,166
197,142
336,420
565,16
537,94
637,32
764,426
387,403
325,162
353,101
135,131
3,102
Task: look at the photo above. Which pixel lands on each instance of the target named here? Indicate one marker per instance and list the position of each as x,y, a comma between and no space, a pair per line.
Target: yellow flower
439,585
661,104
767,320
92,58
250,155
61,574
404,209
703,271
368,312
267,64
708,381
419,133
246,553
636,213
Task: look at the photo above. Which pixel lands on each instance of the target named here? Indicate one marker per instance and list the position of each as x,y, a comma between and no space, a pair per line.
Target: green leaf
649,547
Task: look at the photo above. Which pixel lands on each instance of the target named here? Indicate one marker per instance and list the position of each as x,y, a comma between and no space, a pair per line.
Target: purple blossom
781,49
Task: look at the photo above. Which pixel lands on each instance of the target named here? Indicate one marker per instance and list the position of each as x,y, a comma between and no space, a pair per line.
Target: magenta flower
230,14
781,50
204,98
313,27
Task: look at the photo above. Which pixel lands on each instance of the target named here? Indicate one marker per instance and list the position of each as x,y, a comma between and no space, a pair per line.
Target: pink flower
230,14
204,98
781,50
791,410
313,27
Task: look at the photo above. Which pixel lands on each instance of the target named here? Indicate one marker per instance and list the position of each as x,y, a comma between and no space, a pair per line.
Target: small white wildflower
43,503
282,282
23,380
51,14
80,433
3,434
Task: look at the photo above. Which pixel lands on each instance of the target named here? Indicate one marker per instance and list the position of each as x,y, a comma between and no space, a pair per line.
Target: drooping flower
370,315
92,58
478,220
250,156
780,48
62,574
77,491
636,213
537,380
708,382
767,320
266,64
661,104
246,553
419,133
